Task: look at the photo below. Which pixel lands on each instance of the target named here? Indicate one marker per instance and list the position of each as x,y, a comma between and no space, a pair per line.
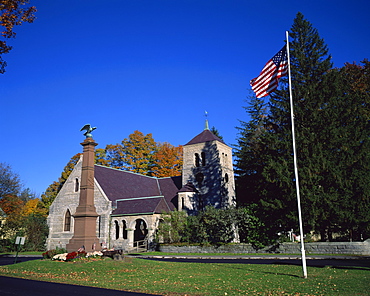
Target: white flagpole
295,163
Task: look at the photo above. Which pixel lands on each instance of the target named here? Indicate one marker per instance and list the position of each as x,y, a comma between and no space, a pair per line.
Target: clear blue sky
148,65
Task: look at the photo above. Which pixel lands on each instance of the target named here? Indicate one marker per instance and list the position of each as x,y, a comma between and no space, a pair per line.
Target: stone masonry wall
346,248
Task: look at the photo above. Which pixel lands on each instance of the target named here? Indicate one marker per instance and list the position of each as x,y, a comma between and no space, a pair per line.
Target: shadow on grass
323,263
363,264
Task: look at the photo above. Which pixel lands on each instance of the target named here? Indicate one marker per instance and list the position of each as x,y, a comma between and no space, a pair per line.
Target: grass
169,278
239,254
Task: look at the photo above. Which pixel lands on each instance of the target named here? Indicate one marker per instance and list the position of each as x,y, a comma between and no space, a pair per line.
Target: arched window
117,229
197,160
124,230
67,221
203,158
77,185
226,178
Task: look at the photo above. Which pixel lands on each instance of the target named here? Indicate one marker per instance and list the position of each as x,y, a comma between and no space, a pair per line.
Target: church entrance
141,230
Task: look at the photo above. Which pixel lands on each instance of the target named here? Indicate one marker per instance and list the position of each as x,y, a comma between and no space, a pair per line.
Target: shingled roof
204,136
137,194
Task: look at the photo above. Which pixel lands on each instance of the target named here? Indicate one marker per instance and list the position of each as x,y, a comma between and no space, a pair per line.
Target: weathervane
88,129
206,127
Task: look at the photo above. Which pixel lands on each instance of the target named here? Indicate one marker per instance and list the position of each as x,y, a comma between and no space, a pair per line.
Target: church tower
207,174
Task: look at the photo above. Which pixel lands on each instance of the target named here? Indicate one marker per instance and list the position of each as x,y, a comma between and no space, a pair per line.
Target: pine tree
310,63
331,111
275,183
248,166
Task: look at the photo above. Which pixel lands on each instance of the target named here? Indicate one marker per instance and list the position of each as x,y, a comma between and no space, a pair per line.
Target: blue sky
148,65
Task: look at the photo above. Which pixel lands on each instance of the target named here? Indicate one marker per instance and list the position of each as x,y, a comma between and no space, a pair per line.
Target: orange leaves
34,207
13,13
167,161
11,205
139,153
138,150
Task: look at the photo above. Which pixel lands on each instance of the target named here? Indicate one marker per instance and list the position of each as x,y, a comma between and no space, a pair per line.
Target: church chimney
85,216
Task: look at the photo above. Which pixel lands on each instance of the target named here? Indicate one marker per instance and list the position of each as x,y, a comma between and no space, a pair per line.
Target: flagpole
295,163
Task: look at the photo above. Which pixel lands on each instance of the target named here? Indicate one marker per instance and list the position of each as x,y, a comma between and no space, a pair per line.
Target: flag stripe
268,79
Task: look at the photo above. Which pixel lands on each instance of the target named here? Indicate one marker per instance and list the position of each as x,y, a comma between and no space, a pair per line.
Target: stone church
129,206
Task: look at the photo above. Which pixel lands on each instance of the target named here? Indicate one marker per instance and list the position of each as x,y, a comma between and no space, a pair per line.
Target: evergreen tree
331,111
275,185
349,110
248,167
215,131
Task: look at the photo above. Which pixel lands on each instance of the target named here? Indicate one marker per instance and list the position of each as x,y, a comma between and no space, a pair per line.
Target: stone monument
85,216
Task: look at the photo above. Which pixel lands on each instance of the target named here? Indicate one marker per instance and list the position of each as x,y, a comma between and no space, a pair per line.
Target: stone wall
347,248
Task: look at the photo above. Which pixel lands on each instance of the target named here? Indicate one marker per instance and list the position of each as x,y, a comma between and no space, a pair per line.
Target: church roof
205,136
134,193
135,206
188,187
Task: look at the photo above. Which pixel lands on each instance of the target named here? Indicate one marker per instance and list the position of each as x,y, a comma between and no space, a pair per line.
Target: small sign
20,240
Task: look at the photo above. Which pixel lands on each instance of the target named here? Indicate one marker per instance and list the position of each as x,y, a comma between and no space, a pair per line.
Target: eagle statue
88,129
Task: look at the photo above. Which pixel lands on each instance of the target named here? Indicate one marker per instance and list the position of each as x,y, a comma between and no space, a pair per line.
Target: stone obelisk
86,215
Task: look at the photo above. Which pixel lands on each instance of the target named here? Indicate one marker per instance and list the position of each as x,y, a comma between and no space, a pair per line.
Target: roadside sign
20,240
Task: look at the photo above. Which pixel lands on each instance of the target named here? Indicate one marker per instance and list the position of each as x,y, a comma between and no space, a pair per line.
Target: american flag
269,77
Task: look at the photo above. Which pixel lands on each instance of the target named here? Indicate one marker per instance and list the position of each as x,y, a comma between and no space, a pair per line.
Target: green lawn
168,278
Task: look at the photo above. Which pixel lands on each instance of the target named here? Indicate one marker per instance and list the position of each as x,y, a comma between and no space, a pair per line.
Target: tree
172,227
310,63
216,132
249,165
134,154
34,207
270,156
348,145
140,153
167,161
13,13
10,183
36,231
331,112
12,206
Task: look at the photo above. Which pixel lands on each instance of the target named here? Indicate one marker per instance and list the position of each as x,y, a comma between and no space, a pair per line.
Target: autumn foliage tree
139,153
133,154
167,161
12,206
13,13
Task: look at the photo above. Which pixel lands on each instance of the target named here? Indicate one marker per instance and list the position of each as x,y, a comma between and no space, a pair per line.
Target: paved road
22,287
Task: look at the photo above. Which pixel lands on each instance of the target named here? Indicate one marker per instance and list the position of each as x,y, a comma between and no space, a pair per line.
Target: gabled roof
137,194
204,136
